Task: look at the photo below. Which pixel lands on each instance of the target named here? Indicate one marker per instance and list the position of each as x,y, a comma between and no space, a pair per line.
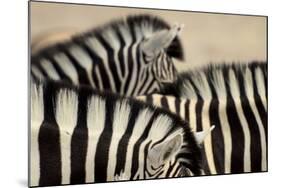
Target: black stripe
121,52
149,99
122,149
216,134
164,103
79,141
170,168
135,162
49,142
102,151
198,112
217,137
258,101
177,106
186,106
112,64
237,135
138,56
130,61
253,127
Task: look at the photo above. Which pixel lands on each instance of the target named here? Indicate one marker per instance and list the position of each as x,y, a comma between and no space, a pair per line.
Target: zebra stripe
131,57
99,137
232,98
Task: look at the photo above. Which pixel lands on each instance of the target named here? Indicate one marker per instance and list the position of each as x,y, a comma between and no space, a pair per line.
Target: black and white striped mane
142,25
207,81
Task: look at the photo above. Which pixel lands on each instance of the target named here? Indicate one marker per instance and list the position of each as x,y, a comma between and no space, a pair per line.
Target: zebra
80,135
233,97
131,56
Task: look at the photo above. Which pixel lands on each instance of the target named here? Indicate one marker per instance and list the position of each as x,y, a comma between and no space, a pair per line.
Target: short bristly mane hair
145,23
192,82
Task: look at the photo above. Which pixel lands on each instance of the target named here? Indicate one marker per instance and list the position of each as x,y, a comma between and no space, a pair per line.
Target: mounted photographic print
124,94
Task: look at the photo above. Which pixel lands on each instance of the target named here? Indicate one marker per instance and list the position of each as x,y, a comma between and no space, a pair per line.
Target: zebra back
234,99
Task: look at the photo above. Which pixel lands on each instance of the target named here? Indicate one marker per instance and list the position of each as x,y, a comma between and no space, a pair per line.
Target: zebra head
170,149
158,51
171,158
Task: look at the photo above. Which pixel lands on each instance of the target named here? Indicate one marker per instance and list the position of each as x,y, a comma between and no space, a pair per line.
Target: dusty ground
206,37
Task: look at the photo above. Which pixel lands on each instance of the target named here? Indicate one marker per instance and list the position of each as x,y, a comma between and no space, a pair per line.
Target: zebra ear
160,40
164,151
201,136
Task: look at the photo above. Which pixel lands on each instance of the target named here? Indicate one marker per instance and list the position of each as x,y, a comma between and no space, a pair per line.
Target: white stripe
208,141
182,108
157,99
171,103
165,67
261,86
234,90
95,122
203,87
192,115
97,47
84,60
37,116
250,95
66,117
37,72
67,67
120,123
50,69
226,135
189,94
221,93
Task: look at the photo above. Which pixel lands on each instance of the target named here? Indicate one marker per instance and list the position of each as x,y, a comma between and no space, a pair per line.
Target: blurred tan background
206,37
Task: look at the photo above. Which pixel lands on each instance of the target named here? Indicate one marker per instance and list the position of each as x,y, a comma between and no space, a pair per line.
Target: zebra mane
139,26
221,80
